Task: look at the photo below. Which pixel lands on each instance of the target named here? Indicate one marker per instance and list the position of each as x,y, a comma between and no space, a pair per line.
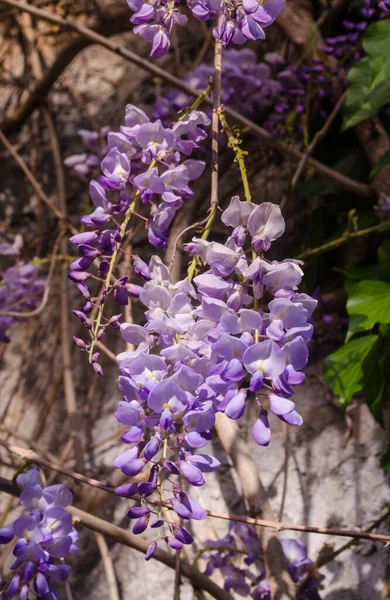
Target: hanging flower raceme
20,288
239,21
145,161
209,346
44,539
239,558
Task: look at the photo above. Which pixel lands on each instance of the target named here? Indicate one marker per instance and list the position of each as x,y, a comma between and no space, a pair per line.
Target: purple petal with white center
167,394
266,357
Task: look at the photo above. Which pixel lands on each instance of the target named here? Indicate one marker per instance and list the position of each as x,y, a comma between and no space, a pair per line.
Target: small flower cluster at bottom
44,538
246,576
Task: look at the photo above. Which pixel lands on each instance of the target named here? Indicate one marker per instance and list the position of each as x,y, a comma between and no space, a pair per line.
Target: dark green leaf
368,82
343,369
365,97
370,300
376,38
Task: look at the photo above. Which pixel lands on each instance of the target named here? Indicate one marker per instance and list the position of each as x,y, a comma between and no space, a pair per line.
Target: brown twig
316,140
74,418
9,124
112,586
39,191
215,125
251,492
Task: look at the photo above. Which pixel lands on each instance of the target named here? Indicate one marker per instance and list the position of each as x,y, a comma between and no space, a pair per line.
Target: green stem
114,256
198,101
234,143
343,240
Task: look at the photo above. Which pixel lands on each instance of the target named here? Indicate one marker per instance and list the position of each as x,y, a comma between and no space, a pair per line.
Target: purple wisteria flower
239,20
239,558
20,287
207,348
44,539
145,162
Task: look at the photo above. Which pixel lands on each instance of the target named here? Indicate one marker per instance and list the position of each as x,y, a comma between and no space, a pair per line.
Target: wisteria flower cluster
238,20
209,346
145,161
20,287
44,539
246,576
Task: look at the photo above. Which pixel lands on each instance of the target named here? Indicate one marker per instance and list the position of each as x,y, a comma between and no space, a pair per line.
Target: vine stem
107,281
234,143
343,240
214,150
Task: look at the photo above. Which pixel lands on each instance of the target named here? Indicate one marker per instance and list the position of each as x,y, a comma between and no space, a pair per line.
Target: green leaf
376,38
382,162
370,300
368,82
364,97
343,369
